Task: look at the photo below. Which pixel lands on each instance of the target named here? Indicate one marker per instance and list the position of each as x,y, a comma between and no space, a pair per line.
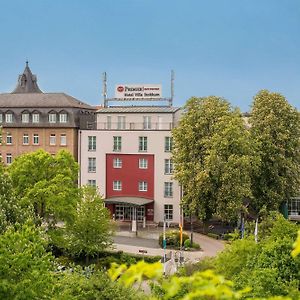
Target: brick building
31,119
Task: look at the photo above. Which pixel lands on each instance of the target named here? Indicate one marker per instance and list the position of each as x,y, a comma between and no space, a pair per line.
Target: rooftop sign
138,91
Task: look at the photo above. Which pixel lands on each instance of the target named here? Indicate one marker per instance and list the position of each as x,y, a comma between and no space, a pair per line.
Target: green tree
275,127
25,266
213,157
47,183
91,231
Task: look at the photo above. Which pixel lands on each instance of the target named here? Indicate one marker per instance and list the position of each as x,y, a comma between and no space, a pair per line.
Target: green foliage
267,267
213,235
275,128
214,158
47,183
25,266
91,231
189,245
173,238
296,250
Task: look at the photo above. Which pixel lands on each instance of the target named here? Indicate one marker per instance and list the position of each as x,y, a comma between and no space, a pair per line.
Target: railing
134,126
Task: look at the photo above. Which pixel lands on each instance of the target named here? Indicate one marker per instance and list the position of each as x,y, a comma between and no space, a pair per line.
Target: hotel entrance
125,212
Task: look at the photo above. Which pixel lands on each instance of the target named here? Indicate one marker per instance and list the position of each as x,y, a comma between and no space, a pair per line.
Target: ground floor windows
91,182
125,212
168,211
294,208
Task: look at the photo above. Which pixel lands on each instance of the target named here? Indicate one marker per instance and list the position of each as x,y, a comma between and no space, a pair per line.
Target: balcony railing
134,126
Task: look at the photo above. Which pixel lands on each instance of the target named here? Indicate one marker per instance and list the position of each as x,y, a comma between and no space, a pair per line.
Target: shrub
173,238
187,244
213,235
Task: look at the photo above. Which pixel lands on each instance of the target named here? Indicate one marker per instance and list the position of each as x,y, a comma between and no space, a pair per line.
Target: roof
27,82
36,100
139,109
129,200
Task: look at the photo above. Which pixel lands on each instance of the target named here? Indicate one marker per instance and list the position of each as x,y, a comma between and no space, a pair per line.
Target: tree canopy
213,158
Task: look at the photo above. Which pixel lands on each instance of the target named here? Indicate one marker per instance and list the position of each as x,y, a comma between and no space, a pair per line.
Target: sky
227,48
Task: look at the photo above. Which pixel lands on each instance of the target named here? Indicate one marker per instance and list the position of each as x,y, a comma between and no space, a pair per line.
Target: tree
213,158
47,183
25,266
275,128
91,231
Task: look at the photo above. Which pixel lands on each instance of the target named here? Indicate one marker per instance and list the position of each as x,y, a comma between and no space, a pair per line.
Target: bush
173,238
213,235
188,244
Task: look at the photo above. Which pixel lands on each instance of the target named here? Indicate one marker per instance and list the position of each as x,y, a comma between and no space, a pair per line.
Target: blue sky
228,48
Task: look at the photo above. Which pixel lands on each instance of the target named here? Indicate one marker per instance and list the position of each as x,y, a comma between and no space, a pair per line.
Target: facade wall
17,147
130,146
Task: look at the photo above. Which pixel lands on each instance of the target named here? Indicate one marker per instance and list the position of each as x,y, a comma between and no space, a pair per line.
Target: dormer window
9,117
35,117
52,117
63,117
25,117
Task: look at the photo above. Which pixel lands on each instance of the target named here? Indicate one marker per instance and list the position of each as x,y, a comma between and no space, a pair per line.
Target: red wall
129,175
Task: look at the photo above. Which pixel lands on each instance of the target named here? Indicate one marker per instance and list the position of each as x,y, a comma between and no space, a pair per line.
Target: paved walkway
148,241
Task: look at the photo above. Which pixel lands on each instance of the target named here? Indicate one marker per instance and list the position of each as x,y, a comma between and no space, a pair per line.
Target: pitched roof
27,82
41,100
138,109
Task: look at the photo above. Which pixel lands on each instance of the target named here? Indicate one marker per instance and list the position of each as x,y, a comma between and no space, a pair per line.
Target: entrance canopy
136,201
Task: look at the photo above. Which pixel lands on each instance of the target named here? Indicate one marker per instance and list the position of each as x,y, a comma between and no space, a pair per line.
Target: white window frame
52,118
121,123
143,163
36,139
25,117
168,166
117,185
117,163
25,139
108,122
35,118
92,182
143,143
52,139
63,139
92,143
168,189
117,143
63,117
8,158
168,143
8,118
168,212
9,139
91,164
143,186
147,122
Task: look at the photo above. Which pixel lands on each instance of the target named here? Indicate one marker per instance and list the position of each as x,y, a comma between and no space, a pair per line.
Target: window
168,166
25,139
143,163
117,143
91,182
168,211
35,139
52,139
52,118
108,122
143,186
8,117
63,140
8,158
168,192
92,143
9,139
168,144
121,122
35,118
25,117
63,118
1,118
117,185
117,163
147,122
143,143
92,164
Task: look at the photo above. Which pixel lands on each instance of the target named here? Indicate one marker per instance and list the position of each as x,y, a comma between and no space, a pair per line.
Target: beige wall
17,148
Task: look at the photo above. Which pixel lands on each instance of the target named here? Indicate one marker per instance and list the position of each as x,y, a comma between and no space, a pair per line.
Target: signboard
138,91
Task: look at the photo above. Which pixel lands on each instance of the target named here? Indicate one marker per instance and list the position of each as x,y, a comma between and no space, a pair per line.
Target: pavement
147,241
